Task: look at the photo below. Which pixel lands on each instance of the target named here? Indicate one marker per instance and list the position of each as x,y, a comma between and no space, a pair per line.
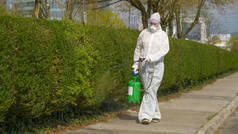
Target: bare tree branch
108,5
149,6
196,20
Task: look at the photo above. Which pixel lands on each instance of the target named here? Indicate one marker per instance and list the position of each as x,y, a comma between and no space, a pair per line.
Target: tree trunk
145,18
36,10
178,24
171,26
129,19
69,9
83,15
41,9
163,25
47,6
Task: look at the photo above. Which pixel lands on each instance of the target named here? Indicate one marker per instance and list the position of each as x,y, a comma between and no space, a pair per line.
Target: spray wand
125,64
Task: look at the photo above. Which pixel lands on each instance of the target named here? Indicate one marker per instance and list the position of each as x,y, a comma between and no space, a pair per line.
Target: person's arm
164,49
137,52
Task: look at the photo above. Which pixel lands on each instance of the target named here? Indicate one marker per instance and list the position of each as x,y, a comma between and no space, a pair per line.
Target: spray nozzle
134,73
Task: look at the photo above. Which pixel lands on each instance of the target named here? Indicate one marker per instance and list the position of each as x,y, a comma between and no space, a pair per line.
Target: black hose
152,76
140,60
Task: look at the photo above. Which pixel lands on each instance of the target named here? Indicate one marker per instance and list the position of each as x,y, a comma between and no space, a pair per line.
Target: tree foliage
106,18
73,7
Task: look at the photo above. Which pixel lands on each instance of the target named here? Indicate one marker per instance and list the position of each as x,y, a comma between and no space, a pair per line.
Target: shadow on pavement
128,117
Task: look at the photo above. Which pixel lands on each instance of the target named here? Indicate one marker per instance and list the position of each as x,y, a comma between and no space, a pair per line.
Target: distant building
223,40
222,37
25,8
56,12
8,4
223,45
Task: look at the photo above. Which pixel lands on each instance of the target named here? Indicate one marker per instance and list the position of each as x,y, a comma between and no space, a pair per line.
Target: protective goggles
150,22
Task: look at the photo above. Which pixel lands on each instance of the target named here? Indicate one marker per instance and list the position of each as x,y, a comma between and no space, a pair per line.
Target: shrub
44,66
48,66
188,63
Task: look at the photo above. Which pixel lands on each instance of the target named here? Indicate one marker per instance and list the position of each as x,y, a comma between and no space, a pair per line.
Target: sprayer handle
141,59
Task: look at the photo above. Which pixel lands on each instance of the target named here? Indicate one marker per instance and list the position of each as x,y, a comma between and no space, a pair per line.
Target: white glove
147,59
135,70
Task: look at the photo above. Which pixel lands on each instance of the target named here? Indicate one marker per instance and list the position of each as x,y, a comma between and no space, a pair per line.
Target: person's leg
149,108
157,114
160,67
149,102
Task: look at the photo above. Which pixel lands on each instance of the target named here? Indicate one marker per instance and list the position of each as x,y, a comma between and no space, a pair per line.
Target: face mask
153,28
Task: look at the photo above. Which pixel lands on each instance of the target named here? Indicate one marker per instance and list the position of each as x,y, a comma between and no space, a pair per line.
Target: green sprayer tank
134,89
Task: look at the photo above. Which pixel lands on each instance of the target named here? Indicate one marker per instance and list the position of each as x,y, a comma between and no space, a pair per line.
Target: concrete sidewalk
186,114
230,126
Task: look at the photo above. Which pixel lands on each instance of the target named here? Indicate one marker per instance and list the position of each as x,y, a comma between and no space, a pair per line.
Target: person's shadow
128,116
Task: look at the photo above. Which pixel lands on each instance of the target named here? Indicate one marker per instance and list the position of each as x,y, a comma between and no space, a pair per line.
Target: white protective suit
155,45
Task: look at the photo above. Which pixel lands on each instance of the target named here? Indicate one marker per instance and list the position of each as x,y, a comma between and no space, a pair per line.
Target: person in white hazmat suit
152,45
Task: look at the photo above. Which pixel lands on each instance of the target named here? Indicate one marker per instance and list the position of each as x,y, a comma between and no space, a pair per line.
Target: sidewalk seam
212,125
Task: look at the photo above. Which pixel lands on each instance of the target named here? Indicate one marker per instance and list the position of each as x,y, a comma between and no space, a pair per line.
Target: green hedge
187,63
46,66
